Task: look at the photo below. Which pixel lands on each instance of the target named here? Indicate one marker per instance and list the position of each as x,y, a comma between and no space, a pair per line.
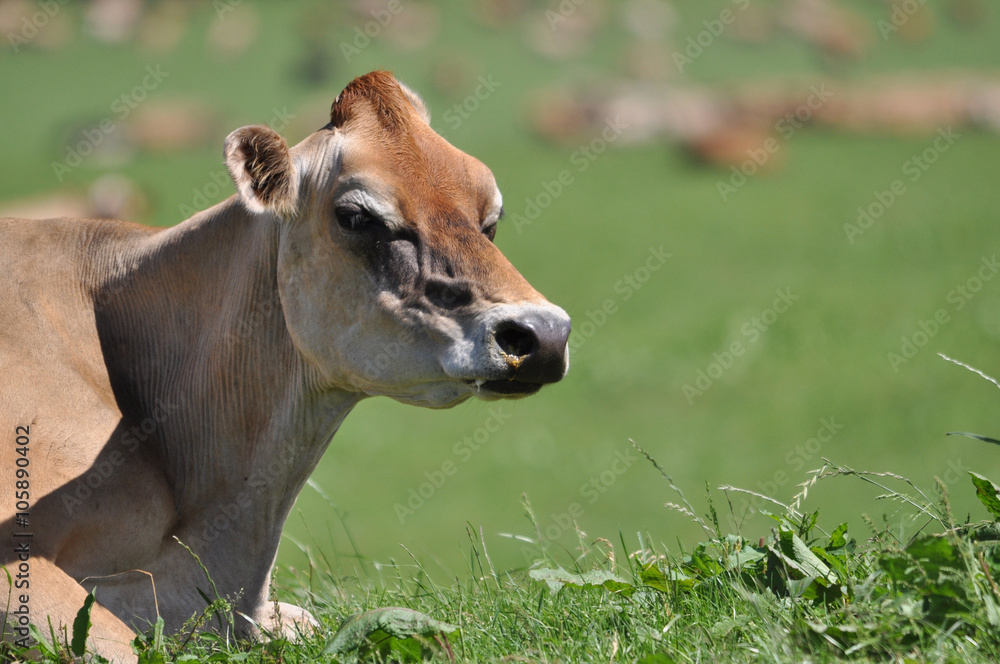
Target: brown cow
181,384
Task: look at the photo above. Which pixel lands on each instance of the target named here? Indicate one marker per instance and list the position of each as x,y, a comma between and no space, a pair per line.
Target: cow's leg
54,595
282,620
274,618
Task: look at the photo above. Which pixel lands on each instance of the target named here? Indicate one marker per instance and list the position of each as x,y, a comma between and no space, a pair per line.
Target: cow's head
389,279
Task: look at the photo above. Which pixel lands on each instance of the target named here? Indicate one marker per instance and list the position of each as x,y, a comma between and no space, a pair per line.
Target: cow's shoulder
66,229
47,254
48,293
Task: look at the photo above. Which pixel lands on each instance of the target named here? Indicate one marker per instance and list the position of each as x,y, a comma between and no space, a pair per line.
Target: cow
166,393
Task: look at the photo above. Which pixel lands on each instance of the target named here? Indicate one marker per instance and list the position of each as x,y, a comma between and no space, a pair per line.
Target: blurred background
765,217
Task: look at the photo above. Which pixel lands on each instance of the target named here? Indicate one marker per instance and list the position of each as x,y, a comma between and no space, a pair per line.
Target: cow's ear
262,168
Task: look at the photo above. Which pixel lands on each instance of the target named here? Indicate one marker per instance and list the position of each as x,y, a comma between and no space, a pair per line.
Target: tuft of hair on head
380,92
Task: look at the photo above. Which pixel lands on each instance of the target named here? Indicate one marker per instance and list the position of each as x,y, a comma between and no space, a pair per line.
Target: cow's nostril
533,345
516,340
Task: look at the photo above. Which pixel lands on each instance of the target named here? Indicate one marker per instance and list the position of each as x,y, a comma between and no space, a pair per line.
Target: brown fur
381,93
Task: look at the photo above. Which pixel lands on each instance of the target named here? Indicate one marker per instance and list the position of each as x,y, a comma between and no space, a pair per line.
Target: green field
824,361
808,592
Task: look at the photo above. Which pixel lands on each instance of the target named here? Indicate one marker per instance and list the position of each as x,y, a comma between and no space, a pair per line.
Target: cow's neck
195,328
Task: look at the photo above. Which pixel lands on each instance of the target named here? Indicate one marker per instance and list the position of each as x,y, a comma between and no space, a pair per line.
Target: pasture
838,329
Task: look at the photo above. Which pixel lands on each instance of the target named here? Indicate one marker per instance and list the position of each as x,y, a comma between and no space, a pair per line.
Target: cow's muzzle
530,346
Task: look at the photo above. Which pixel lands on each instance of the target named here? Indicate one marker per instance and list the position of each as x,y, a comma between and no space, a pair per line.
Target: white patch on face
497,206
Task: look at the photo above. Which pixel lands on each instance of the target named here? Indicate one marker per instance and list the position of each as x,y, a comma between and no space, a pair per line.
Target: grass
920,586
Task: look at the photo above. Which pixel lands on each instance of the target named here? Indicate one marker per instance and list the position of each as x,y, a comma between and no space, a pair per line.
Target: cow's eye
355,219
490,231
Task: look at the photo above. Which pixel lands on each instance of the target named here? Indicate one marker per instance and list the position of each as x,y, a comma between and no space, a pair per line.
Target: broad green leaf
81,627
558,578
727,625
932,567
987,532
652,576
838,538
992,611
158,634
42,642
745,556
934,552
702,563
803,588
657,579
804,559
988,494
402,633
835,562
897,567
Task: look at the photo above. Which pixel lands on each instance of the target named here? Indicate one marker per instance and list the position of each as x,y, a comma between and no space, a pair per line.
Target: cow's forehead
426,175
389,144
